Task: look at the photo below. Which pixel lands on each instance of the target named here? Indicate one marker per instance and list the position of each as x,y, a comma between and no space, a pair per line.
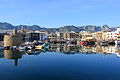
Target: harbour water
62,62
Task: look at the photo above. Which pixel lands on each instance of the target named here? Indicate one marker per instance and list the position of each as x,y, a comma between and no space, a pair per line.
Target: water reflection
12,54
77,49
63,48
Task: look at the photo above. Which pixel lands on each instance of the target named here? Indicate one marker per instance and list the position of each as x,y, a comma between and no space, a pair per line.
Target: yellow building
99,36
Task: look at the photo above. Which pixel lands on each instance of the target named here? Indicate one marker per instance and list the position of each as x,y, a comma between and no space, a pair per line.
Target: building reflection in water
12,54
77,49
66,49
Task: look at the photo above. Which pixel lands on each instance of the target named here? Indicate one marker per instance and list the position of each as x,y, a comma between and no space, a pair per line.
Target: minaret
22,28
14,31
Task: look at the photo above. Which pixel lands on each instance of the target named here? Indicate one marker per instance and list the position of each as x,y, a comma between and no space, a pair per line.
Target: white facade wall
112,35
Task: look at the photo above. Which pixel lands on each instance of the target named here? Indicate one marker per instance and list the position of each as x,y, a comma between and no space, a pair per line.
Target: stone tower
12,40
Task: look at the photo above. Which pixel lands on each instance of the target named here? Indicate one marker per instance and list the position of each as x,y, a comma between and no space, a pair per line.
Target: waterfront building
71,35
109,35
12,40
60,35
36,35
99,35
52,37
118,36
87,36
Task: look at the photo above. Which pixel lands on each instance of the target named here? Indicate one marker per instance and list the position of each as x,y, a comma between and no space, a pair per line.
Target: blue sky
57,13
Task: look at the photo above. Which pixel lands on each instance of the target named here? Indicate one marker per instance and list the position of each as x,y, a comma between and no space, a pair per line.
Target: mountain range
91,28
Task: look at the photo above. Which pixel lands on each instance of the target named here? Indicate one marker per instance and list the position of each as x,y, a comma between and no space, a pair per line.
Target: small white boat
29,47
27,43
30,52
13,48
22,48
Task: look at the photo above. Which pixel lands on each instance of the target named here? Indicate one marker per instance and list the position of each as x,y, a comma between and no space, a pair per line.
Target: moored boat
39,47
104,43
21,48
30,52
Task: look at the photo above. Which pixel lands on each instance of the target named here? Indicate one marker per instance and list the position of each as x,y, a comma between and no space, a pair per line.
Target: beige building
87,35
99,36
60,35
71,35
64,36
52,36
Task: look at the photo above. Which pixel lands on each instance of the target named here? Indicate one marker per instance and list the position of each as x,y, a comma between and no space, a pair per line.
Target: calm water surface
59,64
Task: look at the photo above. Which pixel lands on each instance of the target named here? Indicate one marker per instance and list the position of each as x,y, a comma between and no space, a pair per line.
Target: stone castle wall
12,40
